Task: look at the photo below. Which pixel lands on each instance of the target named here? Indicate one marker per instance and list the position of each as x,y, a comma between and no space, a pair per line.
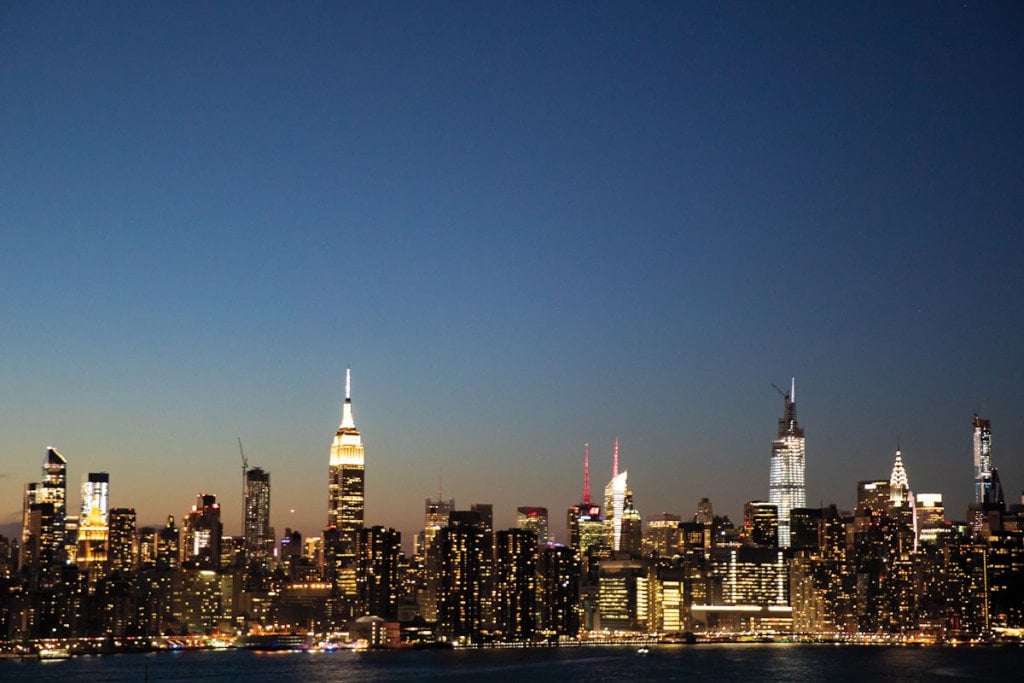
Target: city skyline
526,228
887,567
348,446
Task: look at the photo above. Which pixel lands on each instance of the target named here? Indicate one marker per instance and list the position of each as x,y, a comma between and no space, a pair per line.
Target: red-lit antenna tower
586,474
615,459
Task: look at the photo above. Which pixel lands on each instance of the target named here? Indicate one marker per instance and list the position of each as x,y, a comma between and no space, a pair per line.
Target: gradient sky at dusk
525,226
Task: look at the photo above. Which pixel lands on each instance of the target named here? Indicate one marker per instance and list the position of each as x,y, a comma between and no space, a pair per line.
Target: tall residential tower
256,536
786,487
982,459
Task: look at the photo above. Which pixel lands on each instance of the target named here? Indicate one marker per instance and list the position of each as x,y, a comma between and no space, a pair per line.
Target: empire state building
786,486
345,486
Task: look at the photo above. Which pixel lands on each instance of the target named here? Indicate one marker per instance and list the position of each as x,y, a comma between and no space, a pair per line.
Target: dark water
761,662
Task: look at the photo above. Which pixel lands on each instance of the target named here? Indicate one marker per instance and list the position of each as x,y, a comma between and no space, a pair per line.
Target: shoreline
60,649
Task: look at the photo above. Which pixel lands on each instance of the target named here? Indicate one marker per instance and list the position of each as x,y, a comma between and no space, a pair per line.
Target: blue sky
525,226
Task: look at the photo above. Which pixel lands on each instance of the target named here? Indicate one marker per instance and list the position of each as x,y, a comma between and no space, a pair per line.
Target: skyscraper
631,528
558,590
515,579
257,539
54,490
434,519
982,458
96,495
761,523
122,553
786,479
462,550
899,485
615,502
346,478
92,525
380,551
201,533
583,520
535,520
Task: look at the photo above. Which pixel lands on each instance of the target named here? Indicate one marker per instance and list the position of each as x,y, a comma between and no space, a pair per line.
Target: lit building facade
54,490
346,478
786,484
435,517
121,552
873,494
899,484
201,533
622,594
558,591
92,536
515,594
631,535
258,541
583,521
535,520
462,552
752,576
615,502
982,459
585,526
663,536
761,523
931,517
96,495
380,551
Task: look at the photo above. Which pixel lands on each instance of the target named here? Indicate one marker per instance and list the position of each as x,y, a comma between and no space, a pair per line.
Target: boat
54,653
277,641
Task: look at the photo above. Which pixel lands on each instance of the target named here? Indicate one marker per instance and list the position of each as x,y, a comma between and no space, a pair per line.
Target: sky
525,227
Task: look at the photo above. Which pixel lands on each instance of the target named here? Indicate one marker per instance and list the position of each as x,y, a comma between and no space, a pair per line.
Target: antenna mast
586,474
615,459
245,466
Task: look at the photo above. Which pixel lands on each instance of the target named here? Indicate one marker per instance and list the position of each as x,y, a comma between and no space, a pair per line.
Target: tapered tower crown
346,478
786,487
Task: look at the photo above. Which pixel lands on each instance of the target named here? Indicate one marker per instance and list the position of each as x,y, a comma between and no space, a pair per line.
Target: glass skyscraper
257,539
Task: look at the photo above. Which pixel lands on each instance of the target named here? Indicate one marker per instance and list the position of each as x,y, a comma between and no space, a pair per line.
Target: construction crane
245,463
790,396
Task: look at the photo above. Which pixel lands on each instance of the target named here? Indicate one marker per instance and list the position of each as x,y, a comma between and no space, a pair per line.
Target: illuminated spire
615,459
586,474
347,422
899,485
786,487
898,479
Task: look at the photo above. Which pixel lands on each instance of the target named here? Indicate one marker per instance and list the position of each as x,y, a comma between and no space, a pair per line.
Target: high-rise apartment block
515,593
982,459
257,539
